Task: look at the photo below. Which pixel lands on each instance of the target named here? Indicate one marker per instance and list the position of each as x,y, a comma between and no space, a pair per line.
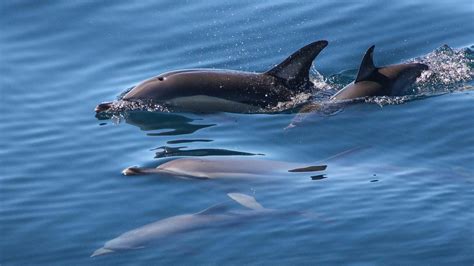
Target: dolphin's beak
103,107
131,171
101,251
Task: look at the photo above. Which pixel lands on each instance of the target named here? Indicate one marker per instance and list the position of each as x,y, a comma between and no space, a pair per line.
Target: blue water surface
402,194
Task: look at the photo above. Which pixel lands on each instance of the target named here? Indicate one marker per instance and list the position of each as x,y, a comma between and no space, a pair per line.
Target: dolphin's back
142,236
220,167
244,87
359,89
378,81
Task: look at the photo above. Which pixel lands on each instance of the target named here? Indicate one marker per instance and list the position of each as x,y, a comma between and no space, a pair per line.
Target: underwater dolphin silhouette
218,167
210,90
213,217
380,81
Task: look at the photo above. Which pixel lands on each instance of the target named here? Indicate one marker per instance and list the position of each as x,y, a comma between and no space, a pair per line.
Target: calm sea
403,195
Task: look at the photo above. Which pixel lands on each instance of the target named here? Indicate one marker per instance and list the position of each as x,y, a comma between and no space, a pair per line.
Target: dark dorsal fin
295,69
367,67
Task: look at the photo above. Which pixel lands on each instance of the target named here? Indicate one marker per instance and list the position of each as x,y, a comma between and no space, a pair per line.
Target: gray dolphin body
212,217
379,81
216,168
208,90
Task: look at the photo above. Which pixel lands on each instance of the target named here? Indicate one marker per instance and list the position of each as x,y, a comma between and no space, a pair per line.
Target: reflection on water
179,141
178,151
165,123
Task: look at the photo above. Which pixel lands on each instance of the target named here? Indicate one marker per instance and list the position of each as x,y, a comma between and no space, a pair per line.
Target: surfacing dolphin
213,217
225,168
390,80
210,90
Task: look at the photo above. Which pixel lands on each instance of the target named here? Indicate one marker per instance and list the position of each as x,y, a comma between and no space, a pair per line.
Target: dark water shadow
179,141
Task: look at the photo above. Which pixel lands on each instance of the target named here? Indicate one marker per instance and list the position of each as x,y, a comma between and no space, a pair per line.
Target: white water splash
294,102
447,66
449,70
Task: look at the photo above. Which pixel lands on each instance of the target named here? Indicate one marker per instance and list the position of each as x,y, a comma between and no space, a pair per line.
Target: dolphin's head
162,87
133,170
149,89
103,107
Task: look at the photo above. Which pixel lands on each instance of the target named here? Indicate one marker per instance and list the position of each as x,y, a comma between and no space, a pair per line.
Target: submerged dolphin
212,168
379,81
212,217
209,90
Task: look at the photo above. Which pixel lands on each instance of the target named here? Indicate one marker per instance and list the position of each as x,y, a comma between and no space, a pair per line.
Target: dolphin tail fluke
295,69
246,201
101,251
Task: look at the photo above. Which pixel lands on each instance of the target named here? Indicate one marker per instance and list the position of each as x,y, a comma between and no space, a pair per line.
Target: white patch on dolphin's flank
208,104
295,101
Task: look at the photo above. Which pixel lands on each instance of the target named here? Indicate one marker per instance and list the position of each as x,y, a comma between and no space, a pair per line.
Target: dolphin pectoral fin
318,177
246,201
295,69
367,67
312,168
101,251
217,208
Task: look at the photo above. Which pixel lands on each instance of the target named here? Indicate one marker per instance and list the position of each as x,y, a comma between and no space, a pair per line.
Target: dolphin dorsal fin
367,67
217,208
246,201
295,69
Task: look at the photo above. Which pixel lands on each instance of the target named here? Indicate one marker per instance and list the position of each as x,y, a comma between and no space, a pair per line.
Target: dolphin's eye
160,78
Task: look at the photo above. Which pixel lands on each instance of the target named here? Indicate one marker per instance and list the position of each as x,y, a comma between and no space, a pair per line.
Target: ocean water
399,183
